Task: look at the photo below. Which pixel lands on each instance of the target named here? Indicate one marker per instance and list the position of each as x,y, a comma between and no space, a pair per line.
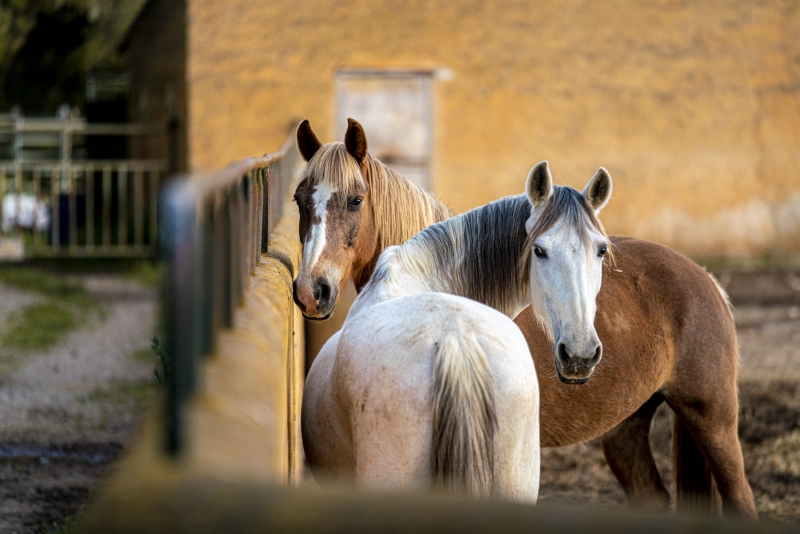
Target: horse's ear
307,142
539,185
355,140
598,191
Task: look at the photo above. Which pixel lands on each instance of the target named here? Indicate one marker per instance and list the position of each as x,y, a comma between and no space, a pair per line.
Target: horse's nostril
322,294
562,353
598,353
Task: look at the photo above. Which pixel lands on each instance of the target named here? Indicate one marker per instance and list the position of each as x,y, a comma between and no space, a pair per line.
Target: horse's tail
464,416
695,488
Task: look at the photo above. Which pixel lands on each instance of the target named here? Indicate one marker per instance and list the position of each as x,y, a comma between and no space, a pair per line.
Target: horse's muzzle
576,369
323,302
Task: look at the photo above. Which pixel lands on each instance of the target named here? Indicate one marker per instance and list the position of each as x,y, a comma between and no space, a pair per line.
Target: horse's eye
602,251
540,253
355,204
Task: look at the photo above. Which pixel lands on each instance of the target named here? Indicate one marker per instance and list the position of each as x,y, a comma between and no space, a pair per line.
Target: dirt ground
67,413
767,313
65,416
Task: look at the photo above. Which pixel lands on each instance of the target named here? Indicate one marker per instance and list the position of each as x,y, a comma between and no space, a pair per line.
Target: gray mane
565,203
478,254
484,254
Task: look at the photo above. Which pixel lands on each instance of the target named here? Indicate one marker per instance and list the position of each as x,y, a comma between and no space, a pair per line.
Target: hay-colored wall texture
694,107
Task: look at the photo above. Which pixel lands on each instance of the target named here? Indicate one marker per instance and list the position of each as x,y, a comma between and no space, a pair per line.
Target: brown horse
666,328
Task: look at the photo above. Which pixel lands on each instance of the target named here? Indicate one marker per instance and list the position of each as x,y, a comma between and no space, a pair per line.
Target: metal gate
55,202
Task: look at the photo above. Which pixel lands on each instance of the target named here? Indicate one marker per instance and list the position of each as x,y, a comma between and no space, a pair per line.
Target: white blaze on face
564,286
315,243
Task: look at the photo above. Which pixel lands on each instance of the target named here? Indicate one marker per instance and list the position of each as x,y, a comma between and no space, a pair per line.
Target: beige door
395,110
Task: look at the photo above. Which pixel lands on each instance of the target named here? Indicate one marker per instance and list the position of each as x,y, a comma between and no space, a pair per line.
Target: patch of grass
37,327
163,369
144,355
138,393
51,285
154,356
69,525
147,273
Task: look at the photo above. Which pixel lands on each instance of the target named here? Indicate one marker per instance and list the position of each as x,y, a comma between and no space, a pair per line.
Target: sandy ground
66,414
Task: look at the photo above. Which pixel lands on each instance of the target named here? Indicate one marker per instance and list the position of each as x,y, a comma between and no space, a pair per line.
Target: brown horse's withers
666,329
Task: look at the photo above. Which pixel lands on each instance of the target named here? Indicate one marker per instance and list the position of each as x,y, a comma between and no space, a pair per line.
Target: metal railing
213,231
84,207
95,208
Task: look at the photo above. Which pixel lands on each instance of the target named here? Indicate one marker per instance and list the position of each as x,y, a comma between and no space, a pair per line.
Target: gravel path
12,299
66,414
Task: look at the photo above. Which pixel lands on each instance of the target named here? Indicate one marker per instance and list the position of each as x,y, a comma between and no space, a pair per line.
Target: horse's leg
695,488
627,451
713,423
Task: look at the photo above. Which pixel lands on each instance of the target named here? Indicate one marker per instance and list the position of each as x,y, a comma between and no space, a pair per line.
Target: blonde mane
401,208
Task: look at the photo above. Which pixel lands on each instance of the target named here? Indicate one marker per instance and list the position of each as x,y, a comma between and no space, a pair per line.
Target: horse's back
383,376
673,288
659,271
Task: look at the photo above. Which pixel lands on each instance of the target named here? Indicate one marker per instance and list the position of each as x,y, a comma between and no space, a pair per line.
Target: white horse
23,210
423,387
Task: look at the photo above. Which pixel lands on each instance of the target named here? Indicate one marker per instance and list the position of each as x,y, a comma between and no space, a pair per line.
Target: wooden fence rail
214,230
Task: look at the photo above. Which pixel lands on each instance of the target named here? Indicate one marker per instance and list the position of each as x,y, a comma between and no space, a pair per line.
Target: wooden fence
214,234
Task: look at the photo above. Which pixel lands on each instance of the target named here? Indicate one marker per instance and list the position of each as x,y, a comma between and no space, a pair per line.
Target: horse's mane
401,208
484,254
475,254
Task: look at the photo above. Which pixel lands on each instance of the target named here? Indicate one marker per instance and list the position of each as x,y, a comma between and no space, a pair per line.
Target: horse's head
567,245
337,223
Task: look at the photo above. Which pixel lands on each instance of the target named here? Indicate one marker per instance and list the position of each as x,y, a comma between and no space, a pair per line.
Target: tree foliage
48,46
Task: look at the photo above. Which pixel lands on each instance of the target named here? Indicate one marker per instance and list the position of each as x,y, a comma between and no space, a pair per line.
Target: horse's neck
459,257
419,210
362,274
391,281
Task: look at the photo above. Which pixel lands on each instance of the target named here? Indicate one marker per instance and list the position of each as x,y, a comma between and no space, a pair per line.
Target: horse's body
665,324
367,404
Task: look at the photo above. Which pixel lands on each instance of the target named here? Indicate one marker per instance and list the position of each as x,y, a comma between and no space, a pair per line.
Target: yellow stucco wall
693,107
